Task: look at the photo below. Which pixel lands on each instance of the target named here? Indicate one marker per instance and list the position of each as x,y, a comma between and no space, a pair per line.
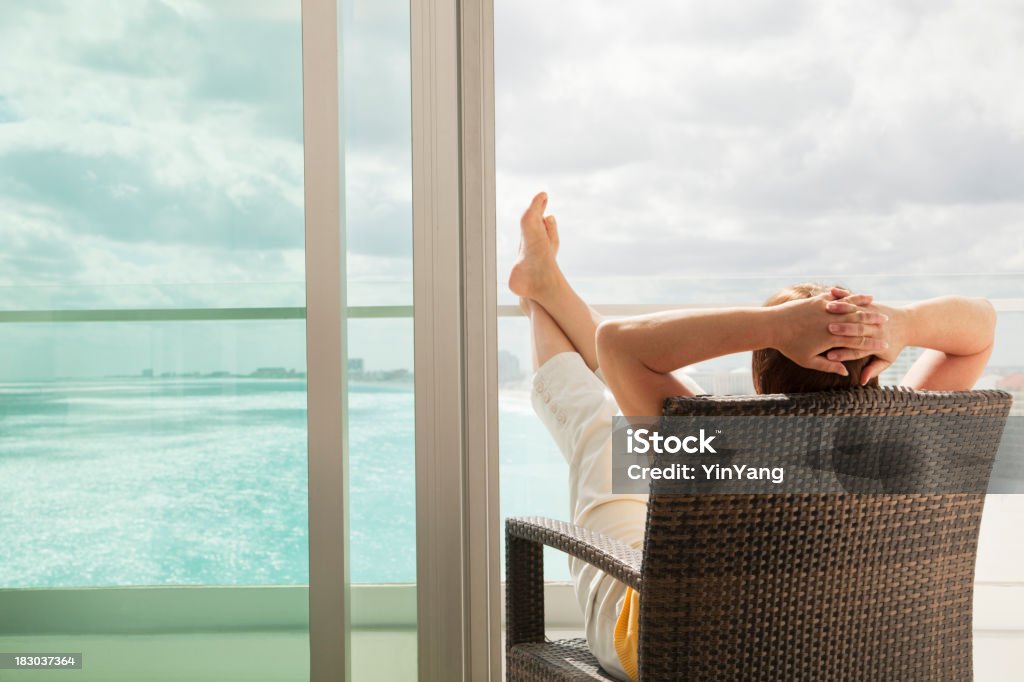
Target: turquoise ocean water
204,481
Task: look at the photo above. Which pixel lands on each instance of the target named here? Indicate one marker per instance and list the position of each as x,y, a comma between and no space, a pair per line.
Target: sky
151,156
747,138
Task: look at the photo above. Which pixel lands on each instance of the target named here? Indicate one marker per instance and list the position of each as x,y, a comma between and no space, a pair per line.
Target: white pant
577,409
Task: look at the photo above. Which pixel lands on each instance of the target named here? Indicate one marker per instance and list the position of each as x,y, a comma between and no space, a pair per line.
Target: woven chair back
837,586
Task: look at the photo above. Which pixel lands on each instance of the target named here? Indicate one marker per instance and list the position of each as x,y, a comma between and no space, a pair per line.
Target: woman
805,338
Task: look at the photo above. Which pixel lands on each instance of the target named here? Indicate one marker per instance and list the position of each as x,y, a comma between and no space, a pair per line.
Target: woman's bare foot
535,272
552,229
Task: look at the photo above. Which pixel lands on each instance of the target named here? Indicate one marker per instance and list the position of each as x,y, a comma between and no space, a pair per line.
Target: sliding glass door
151,205
703,154
152,387
153,380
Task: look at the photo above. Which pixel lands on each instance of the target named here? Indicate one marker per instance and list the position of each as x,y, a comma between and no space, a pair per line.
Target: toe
552,227
532,221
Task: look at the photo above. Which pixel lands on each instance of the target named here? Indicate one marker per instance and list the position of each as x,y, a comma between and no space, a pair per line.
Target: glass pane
152,386
712,153
382,462
139,175
151,143
377,132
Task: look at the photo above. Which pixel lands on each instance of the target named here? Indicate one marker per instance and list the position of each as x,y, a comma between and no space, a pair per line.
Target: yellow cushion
627,628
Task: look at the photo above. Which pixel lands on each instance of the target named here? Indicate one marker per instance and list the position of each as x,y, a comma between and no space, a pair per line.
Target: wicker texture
615,558
565,660
785,587
524,584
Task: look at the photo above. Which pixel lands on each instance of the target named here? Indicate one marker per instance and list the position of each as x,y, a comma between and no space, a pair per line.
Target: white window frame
329,607
455,329
455,321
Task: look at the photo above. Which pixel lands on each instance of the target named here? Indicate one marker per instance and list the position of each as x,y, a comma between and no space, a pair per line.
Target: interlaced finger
855,329
858,341
844,308
866,317
858,299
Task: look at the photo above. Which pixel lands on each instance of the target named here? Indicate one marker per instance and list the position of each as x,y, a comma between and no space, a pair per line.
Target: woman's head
775,373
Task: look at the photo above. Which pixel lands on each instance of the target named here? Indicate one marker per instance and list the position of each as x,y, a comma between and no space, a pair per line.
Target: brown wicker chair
782,586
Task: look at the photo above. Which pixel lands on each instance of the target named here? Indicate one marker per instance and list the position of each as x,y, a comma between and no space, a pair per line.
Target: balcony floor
384,655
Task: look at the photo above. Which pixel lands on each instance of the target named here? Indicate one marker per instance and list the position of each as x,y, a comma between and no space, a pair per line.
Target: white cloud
788,139
677,139
157,143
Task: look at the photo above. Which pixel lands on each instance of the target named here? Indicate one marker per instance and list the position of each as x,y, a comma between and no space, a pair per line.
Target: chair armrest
525,538
612,556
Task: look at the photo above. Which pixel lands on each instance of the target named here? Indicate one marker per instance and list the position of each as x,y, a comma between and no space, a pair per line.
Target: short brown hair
775,373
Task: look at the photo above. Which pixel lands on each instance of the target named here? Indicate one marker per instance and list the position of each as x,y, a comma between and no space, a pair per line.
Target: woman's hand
893,332
809,327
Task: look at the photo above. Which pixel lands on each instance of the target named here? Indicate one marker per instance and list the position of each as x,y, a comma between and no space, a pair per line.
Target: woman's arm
958,333
638,354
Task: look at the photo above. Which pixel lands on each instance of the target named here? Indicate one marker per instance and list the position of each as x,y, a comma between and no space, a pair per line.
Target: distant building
148,373
275,373
356,365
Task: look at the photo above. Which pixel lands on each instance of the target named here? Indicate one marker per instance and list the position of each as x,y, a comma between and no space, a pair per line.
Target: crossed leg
577,409
537,279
